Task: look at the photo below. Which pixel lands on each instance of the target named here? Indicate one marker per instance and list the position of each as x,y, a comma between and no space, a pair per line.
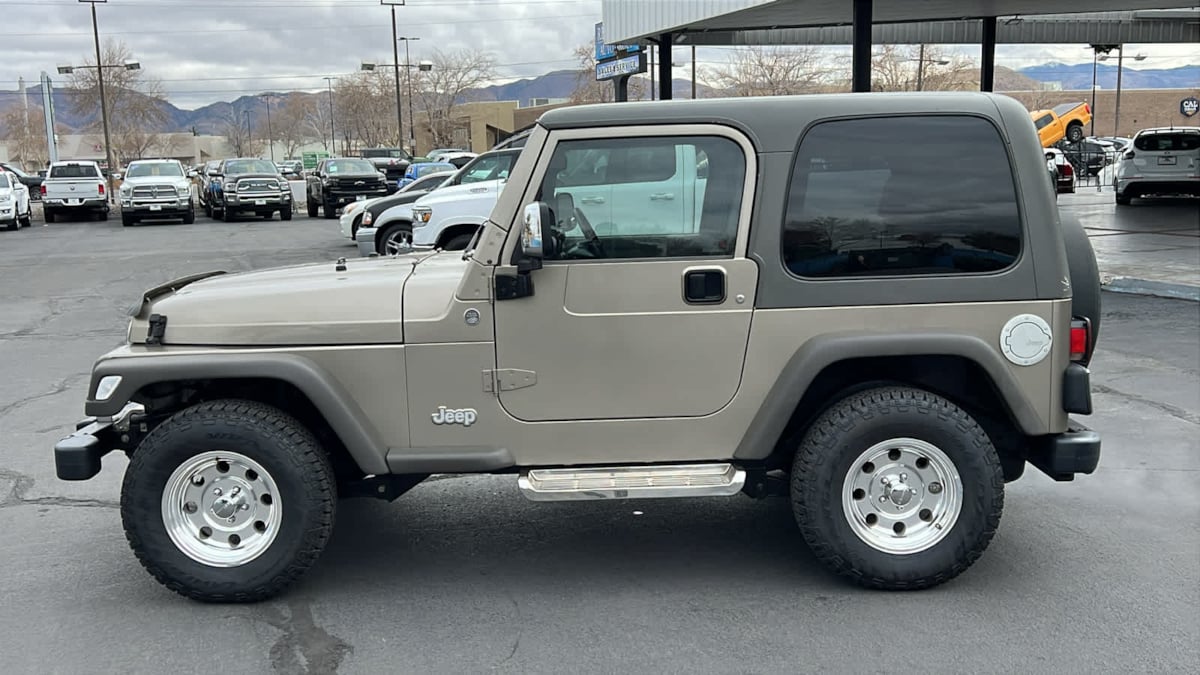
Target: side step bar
632,482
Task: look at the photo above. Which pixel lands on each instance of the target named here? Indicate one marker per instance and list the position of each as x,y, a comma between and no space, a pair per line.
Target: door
648,316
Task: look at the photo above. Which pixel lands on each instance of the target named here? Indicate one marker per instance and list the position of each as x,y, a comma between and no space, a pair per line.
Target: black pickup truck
341,180
392,162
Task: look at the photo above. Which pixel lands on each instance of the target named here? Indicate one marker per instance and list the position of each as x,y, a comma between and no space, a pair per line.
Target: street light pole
249,138
412,121
270,134
396,69
332,137
108,158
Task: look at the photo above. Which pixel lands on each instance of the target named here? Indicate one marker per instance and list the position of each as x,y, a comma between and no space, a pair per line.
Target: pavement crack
520,631
304,646
21,484
1174,411
57,388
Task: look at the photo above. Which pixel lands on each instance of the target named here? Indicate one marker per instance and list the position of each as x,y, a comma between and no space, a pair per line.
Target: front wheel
897,488
285,214
228,501
396,239
189,217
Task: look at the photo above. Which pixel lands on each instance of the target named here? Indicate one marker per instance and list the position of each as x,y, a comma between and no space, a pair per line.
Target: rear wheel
102,216
1123,200
48,215
1075,132
228,501
897,488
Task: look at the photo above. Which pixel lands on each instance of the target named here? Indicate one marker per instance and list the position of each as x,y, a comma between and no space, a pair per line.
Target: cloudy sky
211,50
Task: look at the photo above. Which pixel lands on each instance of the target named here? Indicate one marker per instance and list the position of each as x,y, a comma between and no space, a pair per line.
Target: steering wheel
590,247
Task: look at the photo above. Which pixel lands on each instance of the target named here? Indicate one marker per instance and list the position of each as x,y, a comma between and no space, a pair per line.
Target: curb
1158,289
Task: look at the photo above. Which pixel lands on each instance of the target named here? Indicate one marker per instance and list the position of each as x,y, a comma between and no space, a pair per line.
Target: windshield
169,169
426,183
349,166
249,166
487,167
426,169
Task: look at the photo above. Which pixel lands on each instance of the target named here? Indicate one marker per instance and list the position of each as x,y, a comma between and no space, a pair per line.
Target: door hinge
507,379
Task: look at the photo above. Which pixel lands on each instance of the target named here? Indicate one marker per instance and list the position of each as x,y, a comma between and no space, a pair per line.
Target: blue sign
628,65
606,51
1189,106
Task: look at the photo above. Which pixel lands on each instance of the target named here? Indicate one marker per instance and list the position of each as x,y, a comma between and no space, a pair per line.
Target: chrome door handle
591,200
662,197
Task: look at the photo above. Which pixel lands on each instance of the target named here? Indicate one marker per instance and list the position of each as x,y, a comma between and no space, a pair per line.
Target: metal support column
987,61
861,58
664,66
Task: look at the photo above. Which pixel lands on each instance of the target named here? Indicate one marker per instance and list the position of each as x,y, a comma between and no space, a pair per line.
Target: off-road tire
313,208
852,425
1075,132
275,440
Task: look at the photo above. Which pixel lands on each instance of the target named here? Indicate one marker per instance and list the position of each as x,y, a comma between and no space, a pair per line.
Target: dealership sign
613,61
1189,106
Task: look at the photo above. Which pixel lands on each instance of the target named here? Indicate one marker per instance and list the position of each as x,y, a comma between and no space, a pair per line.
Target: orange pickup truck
1062,121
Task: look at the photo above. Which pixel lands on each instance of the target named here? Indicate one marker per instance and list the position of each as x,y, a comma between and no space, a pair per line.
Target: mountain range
210,119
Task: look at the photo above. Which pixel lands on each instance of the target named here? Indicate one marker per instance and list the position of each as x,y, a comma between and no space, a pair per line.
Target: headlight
231,185
108,384
422,215
6,198
126,190
367,219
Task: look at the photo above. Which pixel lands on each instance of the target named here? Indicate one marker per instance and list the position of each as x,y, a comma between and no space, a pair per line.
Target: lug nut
935,488
245,507
231,519
217,491
903,476
197,480
235,491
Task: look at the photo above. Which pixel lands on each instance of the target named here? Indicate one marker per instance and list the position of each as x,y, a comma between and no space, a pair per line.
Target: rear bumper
1061,456
100,204
1133,187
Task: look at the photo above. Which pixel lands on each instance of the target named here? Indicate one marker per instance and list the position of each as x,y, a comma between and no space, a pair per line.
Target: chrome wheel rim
398,242
221,509
902,496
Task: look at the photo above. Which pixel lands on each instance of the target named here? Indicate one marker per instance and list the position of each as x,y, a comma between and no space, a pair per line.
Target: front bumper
365,238
253,201
77,457
156,207
343,198
1061,456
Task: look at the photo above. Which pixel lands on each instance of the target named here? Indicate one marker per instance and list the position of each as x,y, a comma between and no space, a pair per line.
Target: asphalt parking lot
464,575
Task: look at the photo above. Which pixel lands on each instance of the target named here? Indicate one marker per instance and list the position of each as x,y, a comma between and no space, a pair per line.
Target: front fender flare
324,391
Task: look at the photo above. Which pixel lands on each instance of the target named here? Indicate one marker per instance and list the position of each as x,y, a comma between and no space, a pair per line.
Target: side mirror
531,233
1050,156
192,174
214,174
117,176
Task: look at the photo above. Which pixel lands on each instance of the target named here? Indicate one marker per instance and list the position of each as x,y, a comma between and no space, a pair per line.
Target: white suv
1163,161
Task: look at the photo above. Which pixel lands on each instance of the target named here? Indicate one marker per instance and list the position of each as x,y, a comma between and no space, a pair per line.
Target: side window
656,197
901,196
1043,121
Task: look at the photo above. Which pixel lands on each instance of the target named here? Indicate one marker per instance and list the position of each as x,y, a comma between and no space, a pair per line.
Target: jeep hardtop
867,304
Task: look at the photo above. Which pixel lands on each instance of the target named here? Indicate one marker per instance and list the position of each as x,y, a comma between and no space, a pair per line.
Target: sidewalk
1148,248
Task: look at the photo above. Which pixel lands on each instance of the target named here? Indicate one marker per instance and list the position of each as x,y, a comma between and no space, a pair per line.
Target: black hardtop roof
774,122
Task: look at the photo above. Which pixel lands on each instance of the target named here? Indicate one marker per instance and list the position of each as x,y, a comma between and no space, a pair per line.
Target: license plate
156,207
260,202
1166,160
360,198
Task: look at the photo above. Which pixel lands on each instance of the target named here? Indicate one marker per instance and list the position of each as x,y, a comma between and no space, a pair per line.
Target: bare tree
365,110
771,71
240,137
316,120
291,123
448,85
136,106
903,67
26,136
590,90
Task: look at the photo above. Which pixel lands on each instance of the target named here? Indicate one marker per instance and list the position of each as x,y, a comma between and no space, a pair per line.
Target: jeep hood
314,304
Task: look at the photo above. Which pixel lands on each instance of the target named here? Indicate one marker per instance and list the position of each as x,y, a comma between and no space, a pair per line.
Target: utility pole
249,138
412,121
108,158
693,71
396,69
270,134
332,138
920,66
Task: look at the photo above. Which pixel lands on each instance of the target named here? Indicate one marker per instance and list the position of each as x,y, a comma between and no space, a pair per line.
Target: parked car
1065,121
462,204
1160,162
33,181
156,188
438,152
291,170
1061,169
362,213
74,188
420,169
339,181
247,185
16,209
888,392
391,162
1089,157
458,159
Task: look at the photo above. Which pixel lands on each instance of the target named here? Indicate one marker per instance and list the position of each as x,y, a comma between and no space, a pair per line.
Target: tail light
102,189
1088,108
1081,340
1067,170
1130,155
43,189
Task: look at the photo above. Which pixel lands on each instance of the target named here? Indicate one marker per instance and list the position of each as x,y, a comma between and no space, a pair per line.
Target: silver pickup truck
74,188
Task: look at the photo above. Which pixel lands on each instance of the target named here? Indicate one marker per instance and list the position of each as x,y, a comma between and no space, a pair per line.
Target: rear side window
901,196
1043,121
1167,142
74,171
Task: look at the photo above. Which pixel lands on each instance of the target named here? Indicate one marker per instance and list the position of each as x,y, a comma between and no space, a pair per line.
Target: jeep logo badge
463,416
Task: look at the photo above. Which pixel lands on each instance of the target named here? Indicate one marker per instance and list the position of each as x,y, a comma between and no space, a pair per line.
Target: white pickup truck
74,188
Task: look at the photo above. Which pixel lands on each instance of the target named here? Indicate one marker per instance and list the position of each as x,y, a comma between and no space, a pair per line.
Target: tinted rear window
901,196
74,171
1167,141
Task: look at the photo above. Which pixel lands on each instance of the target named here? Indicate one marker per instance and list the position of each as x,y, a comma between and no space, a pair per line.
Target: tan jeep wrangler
865,303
